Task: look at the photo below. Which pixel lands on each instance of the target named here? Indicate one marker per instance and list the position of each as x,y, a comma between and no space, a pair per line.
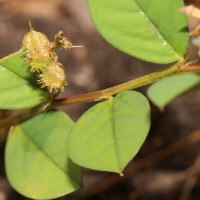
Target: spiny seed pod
39,51
53,77
40,58
34,40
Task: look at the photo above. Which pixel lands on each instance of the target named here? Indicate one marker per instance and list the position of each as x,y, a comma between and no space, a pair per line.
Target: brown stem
106,93
14,119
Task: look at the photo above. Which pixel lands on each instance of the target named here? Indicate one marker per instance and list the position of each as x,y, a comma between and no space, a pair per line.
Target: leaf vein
114,132
161,36
46,155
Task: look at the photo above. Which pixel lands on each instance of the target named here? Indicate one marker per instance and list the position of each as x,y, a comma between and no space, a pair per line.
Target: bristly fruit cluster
42,58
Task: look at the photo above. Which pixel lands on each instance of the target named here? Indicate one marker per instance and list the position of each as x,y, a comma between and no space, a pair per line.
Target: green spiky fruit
34,40
53,77
38,50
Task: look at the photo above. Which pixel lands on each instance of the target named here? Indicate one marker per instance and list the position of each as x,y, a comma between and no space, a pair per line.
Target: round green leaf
16,93
165,90
148,29
37,165
16,64
110,133
18,88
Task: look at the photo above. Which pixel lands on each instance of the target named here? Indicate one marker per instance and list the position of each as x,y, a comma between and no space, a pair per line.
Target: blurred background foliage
168,164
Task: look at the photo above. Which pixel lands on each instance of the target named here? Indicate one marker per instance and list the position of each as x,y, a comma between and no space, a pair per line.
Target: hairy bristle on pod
40,58
40,55
34,40
53,77
38,50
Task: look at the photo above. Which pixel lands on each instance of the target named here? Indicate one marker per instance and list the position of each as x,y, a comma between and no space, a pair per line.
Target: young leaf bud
61,41
53,77
191,11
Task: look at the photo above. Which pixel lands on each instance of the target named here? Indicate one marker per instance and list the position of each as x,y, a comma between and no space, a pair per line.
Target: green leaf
164,91
110,133
147,29
18,87
37,165
15,63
